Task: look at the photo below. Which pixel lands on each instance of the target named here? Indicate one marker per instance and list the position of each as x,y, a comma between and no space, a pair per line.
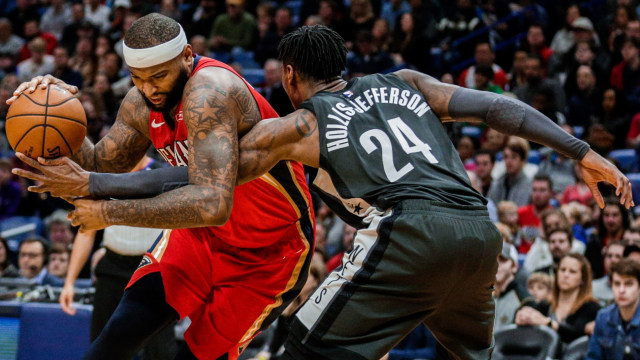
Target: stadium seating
627,158
525,343
577,349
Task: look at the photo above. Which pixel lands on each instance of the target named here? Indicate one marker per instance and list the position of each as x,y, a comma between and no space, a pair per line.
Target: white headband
142,58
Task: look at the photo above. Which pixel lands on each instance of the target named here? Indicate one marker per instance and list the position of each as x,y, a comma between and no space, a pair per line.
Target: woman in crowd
6,267
573,308
613,220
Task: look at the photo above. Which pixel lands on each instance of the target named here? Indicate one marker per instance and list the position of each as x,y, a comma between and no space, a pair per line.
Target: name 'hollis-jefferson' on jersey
336,132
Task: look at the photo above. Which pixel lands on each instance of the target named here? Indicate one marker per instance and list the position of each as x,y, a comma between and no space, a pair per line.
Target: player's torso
380,141
263,209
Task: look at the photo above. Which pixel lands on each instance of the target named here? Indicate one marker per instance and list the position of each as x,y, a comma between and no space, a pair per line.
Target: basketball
49,123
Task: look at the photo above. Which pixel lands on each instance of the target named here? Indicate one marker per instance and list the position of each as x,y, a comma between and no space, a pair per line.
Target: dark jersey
380,141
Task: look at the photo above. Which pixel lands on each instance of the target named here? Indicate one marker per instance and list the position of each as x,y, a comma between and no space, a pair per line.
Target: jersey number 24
403,133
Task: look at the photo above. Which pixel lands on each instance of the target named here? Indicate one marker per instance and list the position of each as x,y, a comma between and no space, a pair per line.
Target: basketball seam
49,115
58,104
44,131
45,126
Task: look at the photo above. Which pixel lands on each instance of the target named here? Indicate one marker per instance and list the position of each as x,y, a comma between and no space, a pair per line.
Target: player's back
380,141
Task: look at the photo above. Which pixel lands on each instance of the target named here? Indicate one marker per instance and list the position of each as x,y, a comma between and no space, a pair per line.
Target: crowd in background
578,62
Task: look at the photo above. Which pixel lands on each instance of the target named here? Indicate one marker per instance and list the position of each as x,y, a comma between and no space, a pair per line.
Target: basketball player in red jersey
237,255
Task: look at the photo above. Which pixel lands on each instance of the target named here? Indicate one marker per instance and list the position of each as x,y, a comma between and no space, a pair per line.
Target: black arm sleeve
513,117
139,184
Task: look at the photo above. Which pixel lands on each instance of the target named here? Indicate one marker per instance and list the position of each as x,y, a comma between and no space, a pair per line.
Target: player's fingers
33,84
12,99
52,162
27,160
37,189
68,199
27,174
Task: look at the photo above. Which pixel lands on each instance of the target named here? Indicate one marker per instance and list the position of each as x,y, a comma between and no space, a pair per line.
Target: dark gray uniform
426,250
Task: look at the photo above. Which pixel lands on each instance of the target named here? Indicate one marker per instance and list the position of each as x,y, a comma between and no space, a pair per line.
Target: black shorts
419,262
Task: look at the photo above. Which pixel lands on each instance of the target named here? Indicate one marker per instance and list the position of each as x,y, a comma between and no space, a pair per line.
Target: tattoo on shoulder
306,124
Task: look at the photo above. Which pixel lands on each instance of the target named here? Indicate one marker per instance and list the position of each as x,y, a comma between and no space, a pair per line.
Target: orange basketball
48,123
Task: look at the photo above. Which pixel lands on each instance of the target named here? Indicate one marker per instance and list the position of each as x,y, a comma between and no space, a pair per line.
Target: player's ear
187,54
287,74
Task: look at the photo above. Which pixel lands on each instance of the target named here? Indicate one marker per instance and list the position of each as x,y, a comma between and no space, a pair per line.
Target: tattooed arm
126,142
214,103
293,137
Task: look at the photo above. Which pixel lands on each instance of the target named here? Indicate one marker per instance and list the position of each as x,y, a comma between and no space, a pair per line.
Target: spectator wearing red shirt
541,195
32,31
483,55
536,43
633,136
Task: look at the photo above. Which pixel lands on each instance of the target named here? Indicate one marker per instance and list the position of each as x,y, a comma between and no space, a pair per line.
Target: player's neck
334,85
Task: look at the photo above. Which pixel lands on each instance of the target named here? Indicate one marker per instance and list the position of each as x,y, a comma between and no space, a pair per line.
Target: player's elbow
216,210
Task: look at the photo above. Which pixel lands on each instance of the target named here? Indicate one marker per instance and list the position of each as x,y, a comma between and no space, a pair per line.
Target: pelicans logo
146,260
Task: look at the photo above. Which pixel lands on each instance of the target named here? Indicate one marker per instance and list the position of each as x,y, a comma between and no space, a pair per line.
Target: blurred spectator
484,160
202,18
381,32
514,185
582,105
24,11
578,216
494,141
85,61
361,18
331,16
97,14
482,76
102,86
458,22
507,294
93,105
32,31
584,52
9,190
579,191
235,28
59,229
535,80
491,207
170,8
610,123
59,261
632,252
540,254
56,17
265,13
602,286
367,59
447,78
540,286
6,267
199,45
348,235
612,222
536,44
103,47
62,70
614,31
559,242
563,39
39,63
508,215
9,42
273,90
541,195
79,27
517,77
392,9
466,146
633,136
625,76
572,306
268,45
618,325
33,256
631,236
120,9
544,101
484,56
409,45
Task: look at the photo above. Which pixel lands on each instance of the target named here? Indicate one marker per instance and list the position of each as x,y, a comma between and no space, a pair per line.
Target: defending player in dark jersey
427,251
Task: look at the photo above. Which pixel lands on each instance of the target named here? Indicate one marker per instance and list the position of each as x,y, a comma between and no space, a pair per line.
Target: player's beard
173,96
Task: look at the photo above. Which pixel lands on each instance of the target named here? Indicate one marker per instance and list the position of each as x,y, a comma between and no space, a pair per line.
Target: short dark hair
151,30
629,249
488,152
46,249
562,229
315,52
626,267
544,177
485,70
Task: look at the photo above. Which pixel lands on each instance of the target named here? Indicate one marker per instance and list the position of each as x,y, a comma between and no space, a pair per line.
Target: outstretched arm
293,137
514,117
214,102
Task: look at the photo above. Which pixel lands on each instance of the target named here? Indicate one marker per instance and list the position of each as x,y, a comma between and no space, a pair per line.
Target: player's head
159,58
311,55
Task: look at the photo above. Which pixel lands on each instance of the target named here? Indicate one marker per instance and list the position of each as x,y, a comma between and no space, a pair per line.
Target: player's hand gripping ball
49,122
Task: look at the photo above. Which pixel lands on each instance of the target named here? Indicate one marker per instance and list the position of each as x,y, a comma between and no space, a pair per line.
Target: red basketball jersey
263,208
